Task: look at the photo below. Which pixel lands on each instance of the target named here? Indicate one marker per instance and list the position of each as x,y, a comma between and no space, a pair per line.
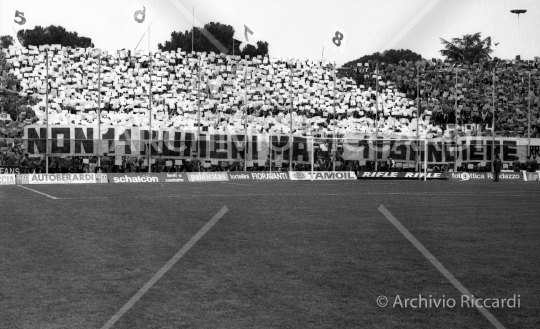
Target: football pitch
329,254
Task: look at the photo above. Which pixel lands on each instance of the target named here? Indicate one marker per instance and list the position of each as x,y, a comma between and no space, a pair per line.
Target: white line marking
437,264
236,184
38,192
166,268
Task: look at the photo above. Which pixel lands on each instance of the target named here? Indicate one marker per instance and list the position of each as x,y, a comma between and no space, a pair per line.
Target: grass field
285,255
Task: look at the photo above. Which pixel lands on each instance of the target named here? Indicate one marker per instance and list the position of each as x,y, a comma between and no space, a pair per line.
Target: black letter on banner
254,148
477,150
83,144
171,147
156,141
434,151
109,138
219,145
144,134
36,142
448,151
203,153
278,145
60,145
126,137
188,143
398,150
300,149
509,150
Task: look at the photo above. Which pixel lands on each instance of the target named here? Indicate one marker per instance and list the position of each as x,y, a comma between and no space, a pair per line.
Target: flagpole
245,119
47,112
291,147
99,109
192,28
376,112
335,118
150,113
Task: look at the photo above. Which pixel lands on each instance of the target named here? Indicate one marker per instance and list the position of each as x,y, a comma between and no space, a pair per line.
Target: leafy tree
6,41
213,37
53,35
469,49
392,56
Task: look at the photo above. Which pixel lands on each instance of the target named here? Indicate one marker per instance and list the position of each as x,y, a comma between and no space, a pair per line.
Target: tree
213,37
53,35
391,56
6,41
469,49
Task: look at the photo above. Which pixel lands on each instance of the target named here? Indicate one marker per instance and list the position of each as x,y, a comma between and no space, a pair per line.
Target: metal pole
199,115
425,159
312,157
291,147
245,118
418,116
270,148
193,29
493,119
376,113
47,112
455,126
335,118
529,118
99,109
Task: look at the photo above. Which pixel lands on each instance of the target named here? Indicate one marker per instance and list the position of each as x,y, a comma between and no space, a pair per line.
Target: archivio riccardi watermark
463,301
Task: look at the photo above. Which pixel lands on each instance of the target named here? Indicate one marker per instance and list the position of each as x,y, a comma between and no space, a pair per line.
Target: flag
141,16
20,18
246,34
337,39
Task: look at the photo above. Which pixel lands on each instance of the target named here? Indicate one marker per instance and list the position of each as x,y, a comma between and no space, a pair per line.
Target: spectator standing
105,163
497,166
534,164
160,163
528,165
516,164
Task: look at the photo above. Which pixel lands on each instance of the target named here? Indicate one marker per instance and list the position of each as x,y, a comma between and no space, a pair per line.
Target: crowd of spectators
271,84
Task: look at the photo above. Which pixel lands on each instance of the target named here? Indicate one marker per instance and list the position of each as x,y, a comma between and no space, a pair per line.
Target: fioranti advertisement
322,175
256,175
175,177
399,175
484,177
7,179
62,179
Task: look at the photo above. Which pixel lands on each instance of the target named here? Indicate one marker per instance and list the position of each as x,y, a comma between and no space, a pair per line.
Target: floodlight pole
418,160
150,123
518,12
99,109
246,117
335,119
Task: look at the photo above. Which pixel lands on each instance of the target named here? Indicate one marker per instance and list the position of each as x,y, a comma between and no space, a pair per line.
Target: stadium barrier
35,179
531,176
8,179
485,176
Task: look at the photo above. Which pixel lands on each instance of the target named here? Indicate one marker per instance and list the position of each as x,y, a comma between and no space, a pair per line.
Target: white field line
38,192
429,256
165,268
236,184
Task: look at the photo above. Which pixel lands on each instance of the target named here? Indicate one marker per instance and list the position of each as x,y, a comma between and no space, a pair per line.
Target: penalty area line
166,268
38,192
440,267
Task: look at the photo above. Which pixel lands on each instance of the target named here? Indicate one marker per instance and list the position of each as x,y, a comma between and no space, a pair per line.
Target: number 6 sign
141,16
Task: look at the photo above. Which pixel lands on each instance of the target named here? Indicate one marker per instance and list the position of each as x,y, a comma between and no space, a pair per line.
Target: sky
300,28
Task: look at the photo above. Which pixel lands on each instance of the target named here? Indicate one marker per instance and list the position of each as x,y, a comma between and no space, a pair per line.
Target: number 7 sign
338,39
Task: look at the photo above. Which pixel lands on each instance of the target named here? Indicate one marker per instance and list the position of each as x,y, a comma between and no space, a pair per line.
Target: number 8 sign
338,39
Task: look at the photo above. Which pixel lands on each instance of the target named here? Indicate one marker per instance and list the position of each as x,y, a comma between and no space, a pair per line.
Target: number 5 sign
20,18
338,39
